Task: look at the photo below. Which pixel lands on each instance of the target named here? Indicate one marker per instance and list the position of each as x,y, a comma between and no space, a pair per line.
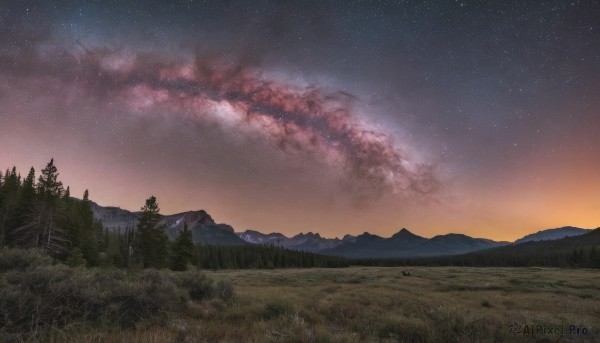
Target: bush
152,294
225,290
36,296
40,297
198,285
57,295
486,304
17,259
278,307
76,258
405,330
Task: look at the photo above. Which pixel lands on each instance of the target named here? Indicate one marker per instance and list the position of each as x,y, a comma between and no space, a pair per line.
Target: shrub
18,259
404,330
197,284
76,258
57,295
37,297
152,294
343,312
278,307
225,290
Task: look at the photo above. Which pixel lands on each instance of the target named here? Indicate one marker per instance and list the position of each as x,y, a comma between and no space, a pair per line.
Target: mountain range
400,245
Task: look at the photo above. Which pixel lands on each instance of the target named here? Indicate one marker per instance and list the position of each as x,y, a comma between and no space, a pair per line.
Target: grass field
369,304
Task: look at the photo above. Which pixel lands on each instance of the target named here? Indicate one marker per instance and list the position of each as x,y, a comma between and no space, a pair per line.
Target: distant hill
452,244
574,251
552,234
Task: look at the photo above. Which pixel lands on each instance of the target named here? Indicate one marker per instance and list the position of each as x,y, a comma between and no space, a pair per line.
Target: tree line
40,213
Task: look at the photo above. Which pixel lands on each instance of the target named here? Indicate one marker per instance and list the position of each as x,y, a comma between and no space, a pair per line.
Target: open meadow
373,304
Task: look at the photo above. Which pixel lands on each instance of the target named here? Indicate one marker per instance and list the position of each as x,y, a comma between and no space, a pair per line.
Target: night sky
331,117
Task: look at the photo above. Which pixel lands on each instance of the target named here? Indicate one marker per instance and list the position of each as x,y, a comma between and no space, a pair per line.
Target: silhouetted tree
76,258
151,242
183,249
25,204
48,184
41,226
88,236
10,198
594,258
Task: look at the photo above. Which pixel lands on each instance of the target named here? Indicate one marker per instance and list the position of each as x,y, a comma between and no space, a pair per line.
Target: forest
41,213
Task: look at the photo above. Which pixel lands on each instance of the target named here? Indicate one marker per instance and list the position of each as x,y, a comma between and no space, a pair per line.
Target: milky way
297,120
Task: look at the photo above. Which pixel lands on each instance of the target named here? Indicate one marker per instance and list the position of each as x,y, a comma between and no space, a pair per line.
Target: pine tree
67,195
48,184
24,206
9,193
75,259
11,190
42,229
42,225
2,228
151,241
69,219
29,185
88,242
183,250
594,258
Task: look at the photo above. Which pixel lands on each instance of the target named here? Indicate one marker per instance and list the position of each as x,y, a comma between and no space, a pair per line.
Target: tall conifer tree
183,249
48,184
151,241
42,227
89,243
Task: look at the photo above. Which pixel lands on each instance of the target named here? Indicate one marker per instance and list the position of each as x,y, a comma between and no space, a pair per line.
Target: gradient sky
331,117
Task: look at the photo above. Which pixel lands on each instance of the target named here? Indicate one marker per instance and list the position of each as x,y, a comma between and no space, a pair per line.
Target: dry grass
369,304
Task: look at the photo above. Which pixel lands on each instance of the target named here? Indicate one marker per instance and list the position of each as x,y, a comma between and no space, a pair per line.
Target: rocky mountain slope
203,227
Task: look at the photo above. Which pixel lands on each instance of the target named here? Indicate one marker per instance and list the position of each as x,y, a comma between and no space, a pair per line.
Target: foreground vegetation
57,303
373,304
41,300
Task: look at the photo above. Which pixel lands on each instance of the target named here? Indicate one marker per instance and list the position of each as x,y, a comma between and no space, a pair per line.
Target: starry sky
334,117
